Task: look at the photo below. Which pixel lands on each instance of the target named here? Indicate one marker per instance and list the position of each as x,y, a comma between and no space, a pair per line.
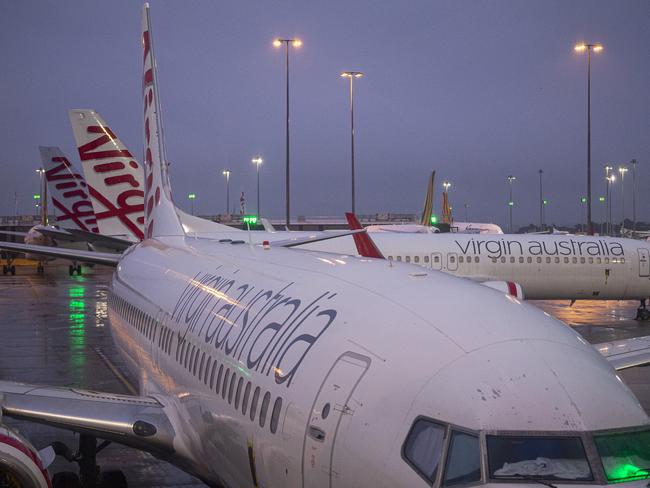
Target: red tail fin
365,245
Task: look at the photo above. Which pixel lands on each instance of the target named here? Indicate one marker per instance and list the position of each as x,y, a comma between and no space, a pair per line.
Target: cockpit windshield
552,458
625,456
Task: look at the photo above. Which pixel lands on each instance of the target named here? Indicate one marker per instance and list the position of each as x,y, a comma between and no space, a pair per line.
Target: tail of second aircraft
114,177
161,218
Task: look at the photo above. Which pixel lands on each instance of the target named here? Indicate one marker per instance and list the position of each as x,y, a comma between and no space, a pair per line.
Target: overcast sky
477,90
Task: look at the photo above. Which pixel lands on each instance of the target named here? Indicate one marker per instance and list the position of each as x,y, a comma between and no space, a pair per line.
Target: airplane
272,366
539,267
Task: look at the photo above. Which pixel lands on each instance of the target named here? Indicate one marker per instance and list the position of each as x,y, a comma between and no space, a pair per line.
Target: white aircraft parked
266,366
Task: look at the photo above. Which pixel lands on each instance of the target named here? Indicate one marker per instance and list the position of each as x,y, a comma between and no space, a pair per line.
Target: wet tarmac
54,330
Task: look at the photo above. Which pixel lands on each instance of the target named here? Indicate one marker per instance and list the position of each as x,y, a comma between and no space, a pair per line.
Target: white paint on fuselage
547,267
411,351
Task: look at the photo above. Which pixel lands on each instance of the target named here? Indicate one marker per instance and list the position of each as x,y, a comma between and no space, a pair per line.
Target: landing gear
90,475
642,313
40,269
9,268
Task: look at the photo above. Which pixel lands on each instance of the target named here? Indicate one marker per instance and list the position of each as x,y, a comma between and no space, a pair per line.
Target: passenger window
591,260
512,259
399,258
256,396
244,403
219,379
461,259
598,261
452,259
265,406
574,260
606,260
622,260
231,390
201,364
238,393
468,259
557,260
539,260
582,260
529,260
548,260
463,461
214,368
224,387
503,260
275,415
423,447
426,259
494,260
408,259
476,259
436,259
566,260
390,258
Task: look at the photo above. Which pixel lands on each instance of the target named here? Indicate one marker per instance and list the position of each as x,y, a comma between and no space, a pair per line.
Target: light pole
191,197
611,179
602,215
622,170
596,48
351,75
466,212
43,190
511,203
446,211
258,162
226,173
608,169
541,202
633,163
295,43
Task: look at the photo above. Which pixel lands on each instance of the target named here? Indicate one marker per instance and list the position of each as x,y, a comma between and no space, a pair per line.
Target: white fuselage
285,368
548,267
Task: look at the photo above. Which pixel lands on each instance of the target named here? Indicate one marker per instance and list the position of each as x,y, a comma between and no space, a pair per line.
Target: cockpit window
463,460
553,458
423,447
625,456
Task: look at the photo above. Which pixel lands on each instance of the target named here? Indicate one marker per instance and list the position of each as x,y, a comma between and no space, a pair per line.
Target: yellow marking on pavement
127,384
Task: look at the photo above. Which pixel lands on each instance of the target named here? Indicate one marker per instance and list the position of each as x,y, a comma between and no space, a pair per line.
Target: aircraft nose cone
533,385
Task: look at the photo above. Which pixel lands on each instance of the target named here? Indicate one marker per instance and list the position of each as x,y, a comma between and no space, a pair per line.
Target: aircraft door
452,261
644,262
330,406
436,260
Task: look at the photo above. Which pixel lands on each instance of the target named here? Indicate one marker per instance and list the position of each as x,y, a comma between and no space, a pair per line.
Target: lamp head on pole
446,185
277,42
351,74
257,161
511,178
226,173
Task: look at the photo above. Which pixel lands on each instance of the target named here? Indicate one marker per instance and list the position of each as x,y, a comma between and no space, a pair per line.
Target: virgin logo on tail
114,176
68,191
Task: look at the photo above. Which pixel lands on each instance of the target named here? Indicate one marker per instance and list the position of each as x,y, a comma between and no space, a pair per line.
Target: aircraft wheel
78,270
113,479
66,479
13,270
70,270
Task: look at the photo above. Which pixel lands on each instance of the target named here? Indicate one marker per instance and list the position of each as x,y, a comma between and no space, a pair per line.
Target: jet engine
21,465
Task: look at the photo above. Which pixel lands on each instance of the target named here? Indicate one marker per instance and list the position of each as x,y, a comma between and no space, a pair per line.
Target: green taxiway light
583,199
191,196
76,291
511,204
249,219
545,202
601,199
37,196
434,219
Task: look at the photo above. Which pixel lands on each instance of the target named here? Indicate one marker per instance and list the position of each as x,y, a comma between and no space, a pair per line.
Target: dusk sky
476,90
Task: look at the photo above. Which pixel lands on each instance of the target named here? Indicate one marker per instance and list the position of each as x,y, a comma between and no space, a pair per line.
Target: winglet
365,245
160,214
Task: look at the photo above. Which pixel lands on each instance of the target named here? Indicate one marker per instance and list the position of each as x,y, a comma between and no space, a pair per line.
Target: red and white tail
115,179
161,218
68,190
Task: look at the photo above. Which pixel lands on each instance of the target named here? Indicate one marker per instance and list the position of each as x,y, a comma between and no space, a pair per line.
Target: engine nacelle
20,464
508,287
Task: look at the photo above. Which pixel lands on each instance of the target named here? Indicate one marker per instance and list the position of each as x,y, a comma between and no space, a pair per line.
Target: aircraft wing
626,353
322,236
106,258
135,421
101,240
13,233
57,234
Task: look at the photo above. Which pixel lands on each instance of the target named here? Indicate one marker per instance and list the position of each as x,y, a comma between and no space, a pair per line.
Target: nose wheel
74,268
9,268
642,313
